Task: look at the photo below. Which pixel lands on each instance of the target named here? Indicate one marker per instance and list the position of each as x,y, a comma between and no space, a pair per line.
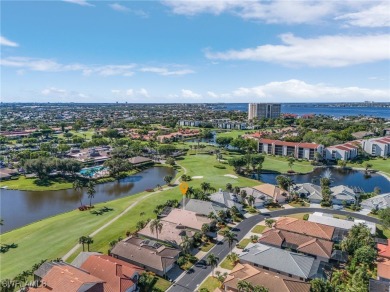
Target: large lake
348,177
19,208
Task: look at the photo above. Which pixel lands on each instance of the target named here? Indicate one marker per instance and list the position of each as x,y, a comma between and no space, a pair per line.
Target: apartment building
346,151
377,146
264,110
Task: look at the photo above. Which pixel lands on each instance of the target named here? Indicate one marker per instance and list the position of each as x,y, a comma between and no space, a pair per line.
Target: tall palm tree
186,244
156,226
88,241
78,187
82,240
230,237
251,200
91,191
205,186
205,228
212,260
233,258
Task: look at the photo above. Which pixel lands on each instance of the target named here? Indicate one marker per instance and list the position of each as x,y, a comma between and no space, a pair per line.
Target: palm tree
230,237
168,179
242,285
91,191
233,258
205,186
269,222
82,240
243,195
156,226
251,200
88,241
368,166
229,187
205,228
78,187
236,190
190,192
186,244
291,161
212,260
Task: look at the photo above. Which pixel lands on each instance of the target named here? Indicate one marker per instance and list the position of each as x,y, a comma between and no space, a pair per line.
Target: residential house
328,219
177,224
377,146
260,199
346,151
312,192
376,203
273,193
294,149
226,199
202,207
304,227
150,255
342,195
286,263
274,282
96,272
139,160
319,248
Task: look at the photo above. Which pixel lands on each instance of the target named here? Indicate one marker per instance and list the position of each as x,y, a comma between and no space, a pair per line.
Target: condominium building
264,110
377,146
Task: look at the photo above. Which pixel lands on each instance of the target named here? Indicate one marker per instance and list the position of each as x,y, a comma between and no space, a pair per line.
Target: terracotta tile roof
384,250
272,281
117,274
305,227
383,268
270,190
299,242
67,278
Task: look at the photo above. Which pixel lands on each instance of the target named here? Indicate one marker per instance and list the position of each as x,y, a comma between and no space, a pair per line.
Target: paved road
189,282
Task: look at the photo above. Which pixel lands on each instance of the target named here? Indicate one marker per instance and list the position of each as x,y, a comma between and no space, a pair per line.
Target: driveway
190,282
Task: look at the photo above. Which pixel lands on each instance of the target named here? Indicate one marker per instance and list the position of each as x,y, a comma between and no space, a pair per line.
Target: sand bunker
231,175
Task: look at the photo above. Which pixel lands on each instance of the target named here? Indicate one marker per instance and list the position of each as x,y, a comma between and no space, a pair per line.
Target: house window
373,149
333,154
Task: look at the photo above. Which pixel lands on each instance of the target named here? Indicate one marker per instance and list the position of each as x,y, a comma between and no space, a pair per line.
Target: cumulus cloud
129,92
375,16
186,93
165,71
53,90
6,42
322,51
299,91
212,94
143,92
119,7
79,2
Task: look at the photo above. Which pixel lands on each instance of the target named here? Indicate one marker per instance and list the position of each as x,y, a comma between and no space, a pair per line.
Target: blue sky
195,51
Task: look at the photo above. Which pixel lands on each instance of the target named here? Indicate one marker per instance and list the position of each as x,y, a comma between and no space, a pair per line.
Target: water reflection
19,208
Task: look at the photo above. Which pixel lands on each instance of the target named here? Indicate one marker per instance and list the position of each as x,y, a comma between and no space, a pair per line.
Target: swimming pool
90,171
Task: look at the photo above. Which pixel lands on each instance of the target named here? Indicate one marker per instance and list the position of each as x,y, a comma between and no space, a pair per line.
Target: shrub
220,166
149,190
306,217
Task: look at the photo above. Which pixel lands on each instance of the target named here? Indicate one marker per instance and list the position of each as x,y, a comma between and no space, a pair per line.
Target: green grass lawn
234,133
207,246
243,243
226,264
377,164
88,134
53,237
298,215
258,229
34,184
382,232
280,164
299,205
210,284
162,284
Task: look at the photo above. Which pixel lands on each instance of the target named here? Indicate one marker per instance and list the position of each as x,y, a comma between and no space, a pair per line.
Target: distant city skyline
195,51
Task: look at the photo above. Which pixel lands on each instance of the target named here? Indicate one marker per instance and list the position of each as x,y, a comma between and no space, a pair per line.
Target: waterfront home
274,282
328,219
260,198
346,151
139,160
312,192
304,227
272,193
294,149
376,203
150,255
201,207
100,273
342,195
377,146
286,263
319,248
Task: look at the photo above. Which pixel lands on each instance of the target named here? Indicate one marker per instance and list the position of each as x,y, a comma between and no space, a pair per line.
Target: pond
348,177
19,208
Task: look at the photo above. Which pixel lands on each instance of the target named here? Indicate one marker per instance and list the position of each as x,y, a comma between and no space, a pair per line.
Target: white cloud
53,91
6,42
212,94
323,51
186,93
115,91
143,92
119,7
129,92
48,65
166,72
299,91
79,2
375,16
